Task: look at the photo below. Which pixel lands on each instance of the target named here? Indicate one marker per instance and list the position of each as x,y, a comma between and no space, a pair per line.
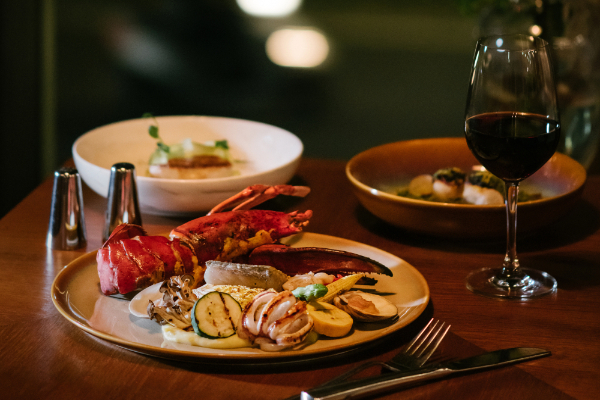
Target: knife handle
369,386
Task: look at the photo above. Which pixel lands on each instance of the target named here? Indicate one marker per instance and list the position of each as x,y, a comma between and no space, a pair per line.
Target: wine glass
512,127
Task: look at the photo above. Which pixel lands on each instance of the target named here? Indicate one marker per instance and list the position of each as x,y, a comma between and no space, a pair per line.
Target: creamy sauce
180,336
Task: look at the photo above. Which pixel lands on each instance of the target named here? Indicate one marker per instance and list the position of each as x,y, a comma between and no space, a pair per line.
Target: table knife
385,382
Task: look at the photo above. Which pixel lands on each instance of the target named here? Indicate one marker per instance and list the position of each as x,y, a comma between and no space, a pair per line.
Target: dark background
397,70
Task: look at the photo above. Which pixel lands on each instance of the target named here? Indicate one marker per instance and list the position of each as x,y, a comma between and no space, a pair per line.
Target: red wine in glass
512,145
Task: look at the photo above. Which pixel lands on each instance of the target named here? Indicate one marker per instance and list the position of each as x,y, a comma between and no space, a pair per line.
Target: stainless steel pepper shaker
66,229
122,198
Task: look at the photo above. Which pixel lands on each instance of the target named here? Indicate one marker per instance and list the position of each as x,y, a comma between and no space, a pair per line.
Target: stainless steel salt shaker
66,229
122,198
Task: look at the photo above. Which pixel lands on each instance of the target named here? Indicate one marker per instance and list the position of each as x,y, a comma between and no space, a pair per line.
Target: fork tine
409,346
430,337
432,344
418,339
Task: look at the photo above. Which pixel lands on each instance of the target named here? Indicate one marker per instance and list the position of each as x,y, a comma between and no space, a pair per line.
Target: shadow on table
580,222
572,270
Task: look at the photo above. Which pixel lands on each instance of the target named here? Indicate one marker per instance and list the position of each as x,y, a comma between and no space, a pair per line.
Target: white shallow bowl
268,155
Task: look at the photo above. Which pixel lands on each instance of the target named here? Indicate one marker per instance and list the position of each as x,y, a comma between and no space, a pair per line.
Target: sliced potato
329,320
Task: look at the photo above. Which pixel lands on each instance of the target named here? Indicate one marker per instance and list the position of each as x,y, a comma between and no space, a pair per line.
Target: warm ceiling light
269,8
297,47
535,30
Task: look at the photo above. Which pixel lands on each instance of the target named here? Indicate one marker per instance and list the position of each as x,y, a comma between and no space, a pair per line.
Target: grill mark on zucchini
214,318
226,309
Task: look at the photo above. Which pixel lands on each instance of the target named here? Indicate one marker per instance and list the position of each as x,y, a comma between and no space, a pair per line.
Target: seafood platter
239,153
239,284
436,187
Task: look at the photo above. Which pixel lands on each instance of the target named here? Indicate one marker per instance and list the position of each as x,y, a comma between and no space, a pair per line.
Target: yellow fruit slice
329,320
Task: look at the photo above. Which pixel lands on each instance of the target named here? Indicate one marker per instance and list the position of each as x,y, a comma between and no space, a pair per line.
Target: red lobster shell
131,260
302,260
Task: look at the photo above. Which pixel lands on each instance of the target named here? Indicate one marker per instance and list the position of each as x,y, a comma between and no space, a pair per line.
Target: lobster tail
127,262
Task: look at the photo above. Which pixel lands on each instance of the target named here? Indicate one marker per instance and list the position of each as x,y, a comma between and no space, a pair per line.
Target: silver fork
413,356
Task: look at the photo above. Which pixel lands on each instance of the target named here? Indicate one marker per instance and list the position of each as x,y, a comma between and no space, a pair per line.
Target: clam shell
366,307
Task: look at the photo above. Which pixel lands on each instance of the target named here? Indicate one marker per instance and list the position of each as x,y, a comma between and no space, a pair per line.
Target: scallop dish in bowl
437,187
187,164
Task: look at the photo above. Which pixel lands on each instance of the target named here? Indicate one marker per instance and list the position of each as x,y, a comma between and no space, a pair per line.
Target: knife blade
385,382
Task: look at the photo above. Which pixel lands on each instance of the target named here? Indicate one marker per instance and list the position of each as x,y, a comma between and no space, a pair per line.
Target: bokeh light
297,47
535,30
269,8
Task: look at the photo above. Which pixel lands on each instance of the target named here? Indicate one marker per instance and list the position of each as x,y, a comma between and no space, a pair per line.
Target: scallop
421,186
474,194
445,191
448,183
366,307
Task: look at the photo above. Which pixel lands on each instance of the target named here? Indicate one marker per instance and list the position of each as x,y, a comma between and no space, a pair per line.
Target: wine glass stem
511,262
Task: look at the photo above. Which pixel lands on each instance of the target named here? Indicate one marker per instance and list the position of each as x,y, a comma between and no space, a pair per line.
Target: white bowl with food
382,176
258,153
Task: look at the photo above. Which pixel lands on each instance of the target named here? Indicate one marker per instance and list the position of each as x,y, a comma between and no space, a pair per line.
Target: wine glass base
531,284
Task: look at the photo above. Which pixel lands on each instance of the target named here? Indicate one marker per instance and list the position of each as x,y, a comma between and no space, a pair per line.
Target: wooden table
45,356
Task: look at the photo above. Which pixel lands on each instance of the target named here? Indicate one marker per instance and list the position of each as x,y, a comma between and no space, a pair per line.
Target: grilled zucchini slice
215,315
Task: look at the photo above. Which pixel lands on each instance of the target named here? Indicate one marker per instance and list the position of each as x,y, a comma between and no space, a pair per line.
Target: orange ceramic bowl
378,172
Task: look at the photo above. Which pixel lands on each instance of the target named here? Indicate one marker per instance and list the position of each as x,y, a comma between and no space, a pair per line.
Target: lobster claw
301,260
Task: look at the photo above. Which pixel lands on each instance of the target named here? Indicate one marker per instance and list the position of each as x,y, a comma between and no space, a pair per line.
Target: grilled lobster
131,260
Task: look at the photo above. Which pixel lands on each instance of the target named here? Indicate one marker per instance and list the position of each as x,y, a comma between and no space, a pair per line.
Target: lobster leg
257,194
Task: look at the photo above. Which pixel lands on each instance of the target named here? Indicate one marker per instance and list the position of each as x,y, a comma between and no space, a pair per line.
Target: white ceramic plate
76,294
268,155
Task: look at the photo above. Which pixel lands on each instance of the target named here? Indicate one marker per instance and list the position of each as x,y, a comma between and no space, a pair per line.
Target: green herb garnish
310,292
222,144
486,179
153,131
450,175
